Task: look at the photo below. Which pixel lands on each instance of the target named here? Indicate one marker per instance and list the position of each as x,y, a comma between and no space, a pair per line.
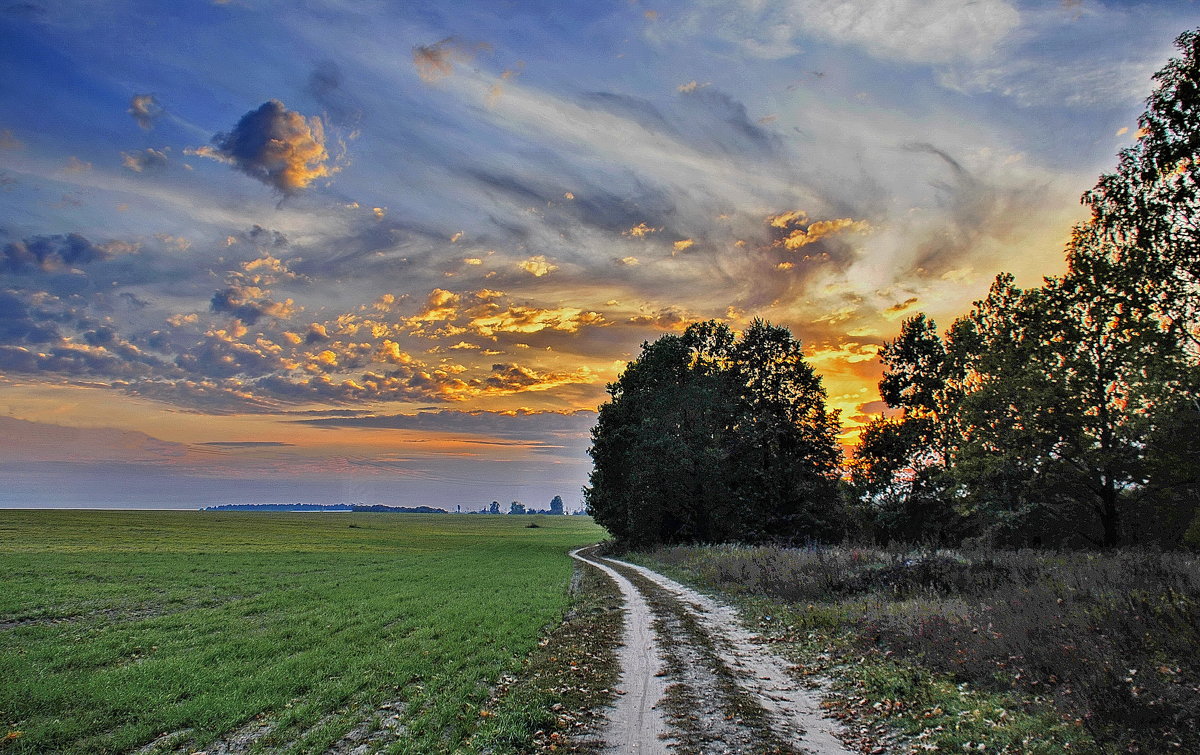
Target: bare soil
695,680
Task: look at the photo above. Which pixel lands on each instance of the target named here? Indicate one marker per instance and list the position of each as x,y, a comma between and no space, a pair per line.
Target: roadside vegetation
553,702
181,631
991,651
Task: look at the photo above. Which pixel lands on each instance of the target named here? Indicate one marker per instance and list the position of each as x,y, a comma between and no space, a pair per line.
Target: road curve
794,709
636,726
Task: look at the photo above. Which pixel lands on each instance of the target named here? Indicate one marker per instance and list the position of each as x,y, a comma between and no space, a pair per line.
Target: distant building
516,507
556,505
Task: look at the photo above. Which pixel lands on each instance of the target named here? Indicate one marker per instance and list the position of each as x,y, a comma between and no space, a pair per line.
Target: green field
281,631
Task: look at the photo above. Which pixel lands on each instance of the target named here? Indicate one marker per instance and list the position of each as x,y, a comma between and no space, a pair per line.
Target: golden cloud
537,266
277,146
639,231
784,219
442,305
522,319
799,237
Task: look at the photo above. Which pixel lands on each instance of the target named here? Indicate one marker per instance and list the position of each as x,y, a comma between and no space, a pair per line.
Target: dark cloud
326,85
146,110
51,253
248,303
19,325
146,161
711,119
220,357
280,147
977,213
640,111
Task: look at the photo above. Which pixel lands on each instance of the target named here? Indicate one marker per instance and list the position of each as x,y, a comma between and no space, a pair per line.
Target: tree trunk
1109,517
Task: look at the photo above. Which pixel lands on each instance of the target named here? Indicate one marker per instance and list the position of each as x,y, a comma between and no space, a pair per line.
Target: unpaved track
793,710
636,725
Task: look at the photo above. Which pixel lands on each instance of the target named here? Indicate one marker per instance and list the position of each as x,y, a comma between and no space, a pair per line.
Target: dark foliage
712,439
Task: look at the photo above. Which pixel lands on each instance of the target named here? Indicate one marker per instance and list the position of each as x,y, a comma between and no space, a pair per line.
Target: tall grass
1111,640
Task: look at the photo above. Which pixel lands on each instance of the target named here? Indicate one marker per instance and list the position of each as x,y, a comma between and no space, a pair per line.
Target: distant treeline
1066,414
321,507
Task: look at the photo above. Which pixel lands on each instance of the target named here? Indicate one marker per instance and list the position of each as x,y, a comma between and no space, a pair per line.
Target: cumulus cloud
280,147
146,110
54,252
537,266
148,160
249,304
514,378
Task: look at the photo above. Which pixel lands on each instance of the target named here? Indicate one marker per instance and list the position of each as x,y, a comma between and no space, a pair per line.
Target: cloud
326,85
515,378
148,160
640,231
537,266
280,147
245,443
249,304
524,319
521,424
8,141
918,31
146,110
436,61
811,233
48,253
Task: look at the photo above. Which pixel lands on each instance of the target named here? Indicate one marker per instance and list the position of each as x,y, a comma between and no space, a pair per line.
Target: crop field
180,631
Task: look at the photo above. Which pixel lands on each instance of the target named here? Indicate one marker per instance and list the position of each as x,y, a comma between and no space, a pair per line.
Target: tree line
1064,414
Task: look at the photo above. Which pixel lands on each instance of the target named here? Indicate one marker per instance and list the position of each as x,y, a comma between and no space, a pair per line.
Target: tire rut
723,692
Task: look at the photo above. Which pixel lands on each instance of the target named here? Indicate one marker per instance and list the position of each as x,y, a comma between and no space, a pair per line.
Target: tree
516,507
897,470
708,438
556,505
1149,208
495,508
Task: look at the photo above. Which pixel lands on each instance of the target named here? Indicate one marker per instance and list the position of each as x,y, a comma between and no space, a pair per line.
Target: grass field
281,631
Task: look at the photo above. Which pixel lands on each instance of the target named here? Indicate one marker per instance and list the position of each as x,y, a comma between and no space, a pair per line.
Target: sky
326,251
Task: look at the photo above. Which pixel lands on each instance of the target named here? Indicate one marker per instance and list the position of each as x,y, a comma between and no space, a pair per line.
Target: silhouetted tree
708,438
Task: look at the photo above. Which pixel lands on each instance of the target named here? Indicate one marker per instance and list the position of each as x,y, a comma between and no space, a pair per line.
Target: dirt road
695,680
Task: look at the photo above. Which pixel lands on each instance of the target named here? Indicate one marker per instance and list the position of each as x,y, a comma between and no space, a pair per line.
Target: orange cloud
277,146
521,319
436,61
801,237
640,231
442,305
537,266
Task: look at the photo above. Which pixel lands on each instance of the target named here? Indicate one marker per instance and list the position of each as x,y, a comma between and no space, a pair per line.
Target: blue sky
460,220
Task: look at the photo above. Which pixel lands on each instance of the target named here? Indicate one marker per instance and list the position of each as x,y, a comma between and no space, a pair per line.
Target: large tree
711,438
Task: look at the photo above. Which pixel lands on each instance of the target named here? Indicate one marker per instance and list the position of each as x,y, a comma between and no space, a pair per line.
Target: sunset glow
368,253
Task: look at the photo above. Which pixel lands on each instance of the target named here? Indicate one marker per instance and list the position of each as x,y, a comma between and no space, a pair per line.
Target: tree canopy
712,438
1065,412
